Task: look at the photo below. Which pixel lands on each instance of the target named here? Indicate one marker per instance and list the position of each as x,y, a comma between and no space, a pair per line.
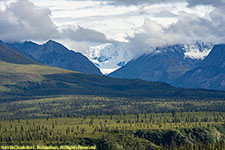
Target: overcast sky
143,23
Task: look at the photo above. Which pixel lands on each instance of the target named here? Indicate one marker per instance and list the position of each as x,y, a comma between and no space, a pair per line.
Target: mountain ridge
164,64
56,55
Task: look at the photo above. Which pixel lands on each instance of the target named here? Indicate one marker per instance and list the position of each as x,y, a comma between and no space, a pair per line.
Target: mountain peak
53,46
51,42
29,42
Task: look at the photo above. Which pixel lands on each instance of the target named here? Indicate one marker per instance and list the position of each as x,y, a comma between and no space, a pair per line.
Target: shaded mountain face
56,55
7,54
210,74
164,64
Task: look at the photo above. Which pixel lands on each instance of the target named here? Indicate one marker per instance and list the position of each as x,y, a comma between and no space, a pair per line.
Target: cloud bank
135,2
188,28
141,2
35,23
22,20
82,34
216,3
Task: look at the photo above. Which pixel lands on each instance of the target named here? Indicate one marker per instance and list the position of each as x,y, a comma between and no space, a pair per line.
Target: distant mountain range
197,65
185,65
56,55
22,78
164,64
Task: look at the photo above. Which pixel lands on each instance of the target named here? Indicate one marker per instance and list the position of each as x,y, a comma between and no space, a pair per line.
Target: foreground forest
114,123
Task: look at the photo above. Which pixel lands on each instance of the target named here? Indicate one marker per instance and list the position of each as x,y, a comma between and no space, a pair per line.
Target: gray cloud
190,2
22,20
164,14
216,3
83,34
137,2
188,29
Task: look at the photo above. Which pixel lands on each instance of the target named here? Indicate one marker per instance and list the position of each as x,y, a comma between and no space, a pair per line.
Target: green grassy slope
13,75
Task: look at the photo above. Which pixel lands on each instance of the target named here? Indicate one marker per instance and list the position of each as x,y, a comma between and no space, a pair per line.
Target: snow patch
108,71
197,50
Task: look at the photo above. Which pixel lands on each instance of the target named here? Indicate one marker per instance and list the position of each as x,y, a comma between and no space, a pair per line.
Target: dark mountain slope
56,55
9,55
26,48
165,65
210,74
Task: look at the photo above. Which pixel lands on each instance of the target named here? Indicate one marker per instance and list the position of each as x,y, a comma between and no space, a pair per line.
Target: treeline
74,106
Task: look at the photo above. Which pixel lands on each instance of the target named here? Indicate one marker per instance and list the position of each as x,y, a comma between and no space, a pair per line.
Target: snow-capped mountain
165,64
109,57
